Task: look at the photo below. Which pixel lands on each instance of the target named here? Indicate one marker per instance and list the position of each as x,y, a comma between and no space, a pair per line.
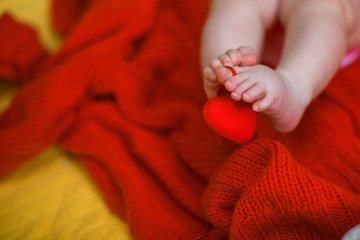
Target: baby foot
243,56
270,92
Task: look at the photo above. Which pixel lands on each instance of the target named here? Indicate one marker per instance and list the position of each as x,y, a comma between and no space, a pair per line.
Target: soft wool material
124,95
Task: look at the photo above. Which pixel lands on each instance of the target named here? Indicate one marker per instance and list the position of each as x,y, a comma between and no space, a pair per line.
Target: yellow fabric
34,13
51,196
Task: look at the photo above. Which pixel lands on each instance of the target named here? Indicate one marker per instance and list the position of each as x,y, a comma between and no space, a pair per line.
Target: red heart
231,119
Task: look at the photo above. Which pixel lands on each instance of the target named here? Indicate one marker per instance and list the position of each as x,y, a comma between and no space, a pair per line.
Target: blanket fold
21,54
263,179
124,96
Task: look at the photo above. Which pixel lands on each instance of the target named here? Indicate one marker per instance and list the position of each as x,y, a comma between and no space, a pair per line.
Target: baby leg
233,23
317,35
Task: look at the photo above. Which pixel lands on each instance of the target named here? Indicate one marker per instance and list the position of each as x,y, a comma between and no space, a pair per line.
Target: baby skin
317,35
267,90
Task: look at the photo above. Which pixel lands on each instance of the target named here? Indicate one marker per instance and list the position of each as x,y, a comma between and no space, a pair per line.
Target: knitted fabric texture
124,95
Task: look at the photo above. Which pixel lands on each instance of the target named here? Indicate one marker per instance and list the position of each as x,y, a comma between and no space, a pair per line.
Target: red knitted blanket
124,95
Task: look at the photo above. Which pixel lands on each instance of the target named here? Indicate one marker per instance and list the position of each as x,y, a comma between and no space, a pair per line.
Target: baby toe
237,82
248,56
253,93
225,60
215,63
235,56
264,104
209,74
222,74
